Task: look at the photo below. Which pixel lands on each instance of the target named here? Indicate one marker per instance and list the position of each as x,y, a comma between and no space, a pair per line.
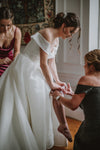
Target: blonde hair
93,58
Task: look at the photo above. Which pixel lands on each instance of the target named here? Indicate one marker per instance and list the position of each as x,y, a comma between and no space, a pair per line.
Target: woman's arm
17,42
72,103
76,99
53,69
46,70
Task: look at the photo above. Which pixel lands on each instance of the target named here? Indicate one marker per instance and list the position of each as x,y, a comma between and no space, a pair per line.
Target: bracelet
58,97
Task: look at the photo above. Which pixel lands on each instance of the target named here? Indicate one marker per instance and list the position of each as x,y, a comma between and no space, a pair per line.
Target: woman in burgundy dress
10,39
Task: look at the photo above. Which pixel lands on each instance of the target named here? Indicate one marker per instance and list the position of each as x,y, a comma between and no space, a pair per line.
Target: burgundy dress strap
15,32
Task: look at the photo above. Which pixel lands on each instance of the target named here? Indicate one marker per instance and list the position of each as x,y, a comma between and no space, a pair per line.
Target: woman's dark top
88,135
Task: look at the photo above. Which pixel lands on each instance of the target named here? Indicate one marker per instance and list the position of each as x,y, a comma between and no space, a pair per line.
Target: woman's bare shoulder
89,80
85,80
17,31
46,34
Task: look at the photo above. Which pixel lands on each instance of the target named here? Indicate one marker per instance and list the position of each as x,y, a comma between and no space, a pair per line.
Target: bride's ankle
63,128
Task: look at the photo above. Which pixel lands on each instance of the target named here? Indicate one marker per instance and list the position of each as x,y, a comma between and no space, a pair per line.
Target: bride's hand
56,86
63,85
66,89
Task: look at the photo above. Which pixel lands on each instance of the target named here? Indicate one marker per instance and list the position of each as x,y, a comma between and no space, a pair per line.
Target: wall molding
71,78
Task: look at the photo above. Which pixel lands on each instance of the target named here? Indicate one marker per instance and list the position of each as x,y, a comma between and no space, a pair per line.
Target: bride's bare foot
65,131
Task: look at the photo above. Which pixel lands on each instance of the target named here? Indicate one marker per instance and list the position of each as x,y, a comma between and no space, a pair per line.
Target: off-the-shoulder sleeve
83,89
54,49
42,42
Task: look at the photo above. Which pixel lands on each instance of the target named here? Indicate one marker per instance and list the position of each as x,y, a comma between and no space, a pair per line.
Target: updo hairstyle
70,20
93,58
6,13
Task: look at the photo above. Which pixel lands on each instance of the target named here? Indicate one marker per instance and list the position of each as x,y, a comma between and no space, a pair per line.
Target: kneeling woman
87,96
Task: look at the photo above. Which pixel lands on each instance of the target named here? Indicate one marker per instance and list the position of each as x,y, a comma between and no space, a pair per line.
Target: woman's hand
66,89
5,61
69,90
63,85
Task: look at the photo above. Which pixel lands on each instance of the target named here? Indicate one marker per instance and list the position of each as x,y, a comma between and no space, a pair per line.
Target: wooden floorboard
73,126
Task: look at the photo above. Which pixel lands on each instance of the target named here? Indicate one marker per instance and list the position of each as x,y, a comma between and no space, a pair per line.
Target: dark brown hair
70,20
6,13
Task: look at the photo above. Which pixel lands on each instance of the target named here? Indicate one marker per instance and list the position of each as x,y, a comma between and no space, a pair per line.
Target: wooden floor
73,126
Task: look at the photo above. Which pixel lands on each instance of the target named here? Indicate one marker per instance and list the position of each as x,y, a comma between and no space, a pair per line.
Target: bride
27,120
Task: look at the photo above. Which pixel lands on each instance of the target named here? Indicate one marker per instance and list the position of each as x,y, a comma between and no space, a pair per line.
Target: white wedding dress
27,118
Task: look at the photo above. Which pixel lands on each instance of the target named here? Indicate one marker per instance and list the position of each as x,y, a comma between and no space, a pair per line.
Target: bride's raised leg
60,113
